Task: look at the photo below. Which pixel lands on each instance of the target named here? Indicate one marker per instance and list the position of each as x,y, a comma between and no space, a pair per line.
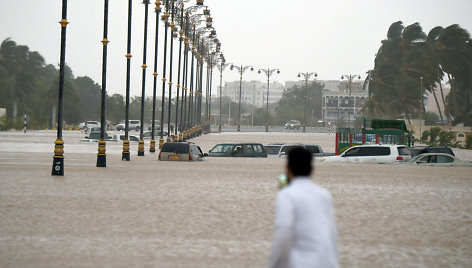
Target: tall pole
125,155
306,76
143,88
152,147
181,33
172,30
268,72
241,69
350,77
165,17
221,84
58,158
101,156
421,108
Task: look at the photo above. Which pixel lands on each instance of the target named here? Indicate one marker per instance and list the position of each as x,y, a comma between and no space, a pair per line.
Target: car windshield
179,148
286,149
222,148
272,149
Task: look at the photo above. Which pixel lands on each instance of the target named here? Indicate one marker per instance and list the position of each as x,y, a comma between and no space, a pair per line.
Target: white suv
89,124
372,153
132,125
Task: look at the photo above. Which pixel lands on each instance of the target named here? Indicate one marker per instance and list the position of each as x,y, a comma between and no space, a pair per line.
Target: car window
403,151
444,159
374,151
286,149
222,148
238,149
313,149
181,148
247,149
424,159
272,149
352,152
258,148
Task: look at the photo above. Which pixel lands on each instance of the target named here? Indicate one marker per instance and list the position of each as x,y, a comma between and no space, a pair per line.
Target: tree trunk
437,104
444,101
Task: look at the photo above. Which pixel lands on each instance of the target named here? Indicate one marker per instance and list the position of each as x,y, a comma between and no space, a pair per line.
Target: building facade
344,103
253,92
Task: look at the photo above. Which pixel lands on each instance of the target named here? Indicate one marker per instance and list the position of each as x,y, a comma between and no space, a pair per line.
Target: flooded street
219,212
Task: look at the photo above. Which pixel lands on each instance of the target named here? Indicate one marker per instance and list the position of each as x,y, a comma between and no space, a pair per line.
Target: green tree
292,104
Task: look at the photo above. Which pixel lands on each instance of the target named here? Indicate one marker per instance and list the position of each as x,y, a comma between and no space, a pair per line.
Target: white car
89,124
132,125
371,153
438,159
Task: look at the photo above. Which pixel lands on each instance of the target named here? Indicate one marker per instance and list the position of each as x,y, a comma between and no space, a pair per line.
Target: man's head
299,162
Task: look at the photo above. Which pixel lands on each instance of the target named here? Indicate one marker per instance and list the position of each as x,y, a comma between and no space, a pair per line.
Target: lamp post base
303,129
239,127
58,166
152,148
125,155
140,148
58,158
101,156
267,128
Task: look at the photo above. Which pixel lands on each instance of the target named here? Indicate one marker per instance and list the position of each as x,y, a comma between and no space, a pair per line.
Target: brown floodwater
219,212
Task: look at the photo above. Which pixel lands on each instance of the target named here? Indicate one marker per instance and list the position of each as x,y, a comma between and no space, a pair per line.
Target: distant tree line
444,55
30,86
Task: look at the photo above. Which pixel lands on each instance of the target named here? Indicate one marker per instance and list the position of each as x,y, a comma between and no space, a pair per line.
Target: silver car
438,159
181,151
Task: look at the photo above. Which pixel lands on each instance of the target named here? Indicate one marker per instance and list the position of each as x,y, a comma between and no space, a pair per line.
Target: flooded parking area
218,212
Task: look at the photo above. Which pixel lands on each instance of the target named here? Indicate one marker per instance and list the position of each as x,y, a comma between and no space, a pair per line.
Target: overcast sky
328,37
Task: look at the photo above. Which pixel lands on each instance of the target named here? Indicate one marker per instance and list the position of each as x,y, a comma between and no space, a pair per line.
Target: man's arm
284,216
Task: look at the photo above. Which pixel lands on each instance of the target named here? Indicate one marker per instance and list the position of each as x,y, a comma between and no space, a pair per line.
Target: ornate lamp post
125,155
222,67
101,156
350,77
165,18
241,69
143,90
268,72
58,158
307,76
152,148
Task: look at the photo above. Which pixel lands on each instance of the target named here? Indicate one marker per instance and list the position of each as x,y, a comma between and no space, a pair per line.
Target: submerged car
293,124
372,153
438,159
238,150
181,151
414,151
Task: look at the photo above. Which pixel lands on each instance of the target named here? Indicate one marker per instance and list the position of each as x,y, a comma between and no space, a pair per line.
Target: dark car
414,151
181,151
238,150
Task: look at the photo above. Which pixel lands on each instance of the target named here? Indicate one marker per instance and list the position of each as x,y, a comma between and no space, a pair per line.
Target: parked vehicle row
282,149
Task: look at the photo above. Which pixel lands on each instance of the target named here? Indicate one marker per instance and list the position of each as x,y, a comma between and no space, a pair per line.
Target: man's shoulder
306,186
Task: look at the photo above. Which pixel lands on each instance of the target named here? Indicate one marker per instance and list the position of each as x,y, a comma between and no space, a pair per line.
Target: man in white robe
305,224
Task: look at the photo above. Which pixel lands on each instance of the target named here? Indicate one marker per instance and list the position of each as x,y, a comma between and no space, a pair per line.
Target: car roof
380,145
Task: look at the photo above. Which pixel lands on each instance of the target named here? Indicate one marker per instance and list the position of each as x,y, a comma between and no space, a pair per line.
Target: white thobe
305,234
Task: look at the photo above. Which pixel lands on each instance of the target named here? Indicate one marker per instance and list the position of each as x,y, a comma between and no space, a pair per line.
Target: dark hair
299,161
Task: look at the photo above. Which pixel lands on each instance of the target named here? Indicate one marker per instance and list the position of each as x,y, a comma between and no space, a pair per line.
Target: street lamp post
165,18
125,155
143,88
241,69
350,77
307,76
268,72
101,156
152,147
222,67
58,158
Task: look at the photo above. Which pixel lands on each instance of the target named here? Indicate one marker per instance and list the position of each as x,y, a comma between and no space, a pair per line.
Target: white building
253,92
344,103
